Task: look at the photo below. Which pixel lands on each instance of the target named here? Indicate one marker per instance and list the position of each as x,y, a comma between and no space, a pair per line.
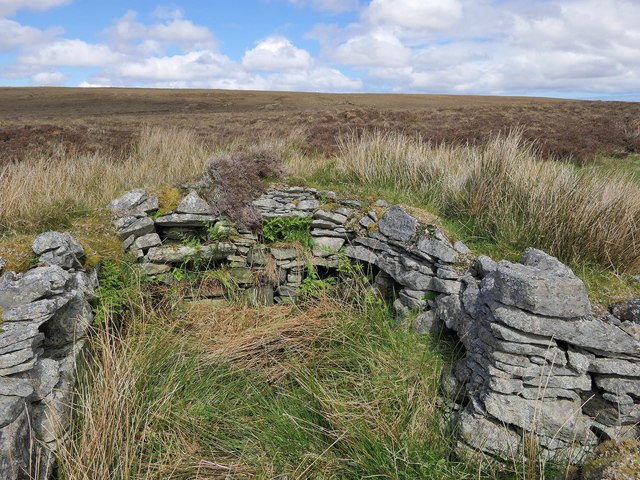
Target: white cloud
14,35
492,46
332,6
48,78
129,35
71,53
9,7
413,15
276,53
378,48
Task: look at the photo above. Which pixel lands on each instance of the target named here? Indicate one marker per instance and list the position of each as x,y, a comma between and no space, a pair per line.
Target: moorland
193,394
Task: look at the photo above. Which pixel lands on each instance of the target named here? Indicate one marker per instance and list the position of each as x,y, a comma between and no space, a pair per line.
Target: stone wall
539,365
45,315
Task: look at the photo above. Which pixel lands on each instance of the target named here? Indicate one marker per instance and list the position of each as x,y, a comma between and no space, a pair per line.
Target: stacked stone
538,363
132,223
419,260
45,315
282,201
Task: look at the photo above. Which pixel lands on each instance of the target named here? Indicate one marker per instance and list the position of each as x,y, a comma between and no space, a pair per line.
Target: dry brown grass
505,188
37,189
270,340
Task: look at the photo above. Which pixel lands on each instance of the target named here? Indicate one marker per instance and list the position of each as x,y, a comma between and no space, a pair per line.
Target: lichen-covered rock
41,282
398,224
185,220
555,293
614,461
56,248
136,200
627,310
195,204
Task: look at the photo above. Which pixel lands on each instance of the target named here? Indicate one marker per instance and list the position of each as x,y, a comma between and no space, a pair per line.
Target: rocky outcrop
45,315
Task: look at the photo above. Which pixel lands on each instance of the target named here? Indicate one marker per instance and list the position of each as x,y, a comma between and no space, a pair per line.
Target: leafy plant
288,229
113,292
221,230
313,286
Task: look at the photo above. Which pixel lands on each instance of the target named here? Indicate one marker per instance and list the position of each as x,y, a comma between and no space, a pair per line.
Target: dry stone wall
45,315
539,366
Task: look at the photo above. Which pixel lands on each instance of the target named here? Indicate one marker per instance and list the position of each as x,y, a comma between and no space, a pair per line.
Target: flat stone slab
176,254
438,249
551,293
185,220
585,332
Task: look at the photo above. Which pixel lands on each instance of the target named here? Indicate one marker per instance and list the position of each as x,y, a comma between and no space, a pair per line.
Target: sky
587,49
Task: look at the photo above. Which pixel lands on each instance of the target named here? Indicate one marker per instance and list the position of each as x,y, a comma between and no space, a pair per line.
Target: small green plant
313,286
194,241
288,229
219,231
113,292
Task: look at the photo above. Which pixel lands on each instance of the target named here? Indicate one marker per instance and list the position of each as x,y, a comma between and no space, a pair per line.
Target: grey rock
3,265
32,342
15,333
39,309
483,266
284,253
176,254
586,332
533,257
287,291
17,357
257,257
308,205
43,377
449,310
613,366
506,385
627,310
10,407
552,293
565,382
138,227
194,203
461,248
332,217
184,220
152,269
548,393
517,336
411,279
15,451
326,246
323,224
23,367
438,249
134,201
425,323
578,361
15,387
398,224
560,418
447,274
146,242
489,436
86,284
375,244
381,203
347,212
366,221
445,286
619,385
351,203
62,249
242,276
265,203
410,301
41,282
69,324
328,194
323,232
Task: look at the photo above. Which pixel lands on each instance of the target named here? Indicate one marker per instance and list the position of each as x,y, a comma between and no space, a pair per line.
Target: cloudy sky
565,48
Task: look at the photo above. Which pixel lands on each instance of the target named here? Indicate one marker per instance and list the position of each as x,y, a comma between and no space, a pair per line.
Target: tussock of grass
508,194
37,193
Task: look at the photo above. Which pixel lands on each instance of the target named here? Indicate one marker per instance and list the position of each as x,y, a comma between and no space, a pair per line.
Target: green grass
627,167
